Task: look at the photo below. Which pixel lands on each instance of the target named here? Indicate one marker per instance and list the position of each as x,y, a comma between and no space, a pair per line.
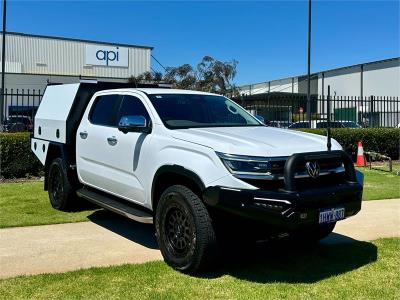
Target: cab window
104,110
133,106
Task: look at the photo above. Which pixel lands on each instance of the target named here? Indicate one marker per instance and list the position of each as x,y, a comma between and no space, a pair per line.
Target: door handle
83,134
112,141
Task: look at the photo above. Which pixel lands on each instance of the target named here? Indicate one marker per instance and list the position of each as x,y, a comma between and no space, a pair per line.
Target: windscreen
196,110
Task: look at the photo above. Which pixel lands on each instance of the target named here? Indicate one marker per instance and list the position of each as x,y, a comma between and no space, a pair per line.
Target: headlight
239,164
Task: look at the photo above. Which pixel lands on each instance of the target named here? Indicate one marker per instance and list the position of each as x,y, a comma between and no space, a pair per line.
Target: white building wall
287,85
42,55
343,82
382,79
283,86
39,82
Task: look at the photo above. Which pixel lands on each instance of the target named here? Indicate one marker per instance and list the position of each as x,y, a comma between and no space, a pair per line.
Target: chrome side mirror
133,124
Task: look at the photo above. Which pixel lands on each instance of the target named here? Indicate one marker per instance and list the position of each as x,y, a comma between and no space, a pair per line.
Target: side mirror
133,124
260,118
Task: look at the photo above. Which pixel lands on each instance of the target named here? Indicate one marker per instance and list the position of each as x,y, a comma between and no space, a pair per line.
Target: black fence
284,110
277,109
20,106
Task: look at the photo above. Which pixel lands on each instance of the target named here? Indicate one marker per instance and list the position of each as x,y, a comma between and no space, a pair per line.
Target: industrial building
367,94
377,78
33,61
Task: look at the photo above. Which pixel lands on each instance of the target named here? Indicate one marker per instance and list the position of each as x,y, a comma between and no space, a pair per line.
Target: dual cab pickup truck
196,164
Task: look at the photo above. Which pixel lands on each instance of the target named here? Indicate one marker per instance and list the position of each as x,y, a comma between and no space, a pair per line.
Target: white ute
198,165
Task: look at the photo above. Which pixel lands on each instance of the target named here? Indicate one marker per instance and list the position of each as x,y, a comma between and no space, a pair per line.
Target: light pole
309,64
3,63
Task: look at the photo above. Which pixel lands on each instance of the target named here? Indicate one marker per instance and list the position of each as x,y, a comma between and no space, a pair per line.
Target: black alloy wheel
56,189
184,230
61,194
179,229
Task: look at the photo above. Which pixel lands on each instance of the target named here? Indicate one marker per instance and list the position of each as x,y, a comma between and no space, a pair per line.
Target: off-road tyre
184,231
61,193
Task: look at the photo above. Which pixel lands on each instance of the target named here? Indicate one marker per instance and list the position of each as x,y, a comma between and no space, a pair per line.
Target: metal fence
278,109
20,106
282,110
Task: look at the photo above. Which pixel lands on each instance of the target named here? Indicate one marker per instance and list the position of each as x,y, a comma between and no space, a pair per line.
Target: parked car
279,124
324,124
17,123
196,164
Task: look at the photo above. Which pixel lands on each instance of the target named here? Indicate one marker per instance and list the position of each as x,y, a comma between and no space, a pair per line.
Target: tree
210,75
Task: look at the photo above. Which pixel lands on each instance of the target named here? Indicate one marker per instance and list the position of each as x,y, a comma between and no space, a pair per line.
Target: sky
268,38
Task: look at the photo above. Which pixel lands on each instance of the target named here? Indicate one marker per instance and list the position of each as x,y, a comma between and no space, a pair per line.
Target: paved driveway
109,240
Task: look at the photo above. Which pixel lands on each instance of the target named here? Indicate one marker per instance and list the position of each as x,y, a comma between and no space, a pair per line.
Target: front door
131,154
109,159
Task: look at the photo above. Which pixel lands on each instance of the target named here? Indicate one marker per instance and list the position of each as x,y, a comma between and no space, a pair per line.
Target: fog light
269,206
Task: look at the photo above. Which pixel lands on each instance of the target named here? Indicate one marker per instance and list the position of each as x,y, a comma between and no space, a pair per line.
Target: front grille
320,182
324,163
331,173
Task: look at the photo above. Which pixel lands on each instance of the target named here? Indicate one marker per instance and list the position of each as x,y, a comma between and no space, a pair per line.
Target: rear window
104,110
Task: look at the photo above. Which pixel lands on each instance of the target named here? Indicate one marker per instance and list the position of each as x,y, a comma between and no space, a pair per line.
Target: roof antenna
328,107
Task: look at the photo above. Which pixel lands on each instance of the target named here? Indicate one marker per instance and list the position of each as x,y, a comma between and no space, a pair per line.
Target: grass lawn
380,184
25,204
354,270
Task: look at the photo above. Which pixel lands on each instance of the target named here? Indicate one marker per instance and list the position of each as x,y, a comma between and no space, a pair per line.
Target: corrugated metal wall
38,55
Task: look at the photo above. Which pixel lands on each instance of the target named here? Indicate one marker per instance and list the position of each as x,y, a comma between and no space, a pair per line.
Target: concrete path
377,219
71,246
112,240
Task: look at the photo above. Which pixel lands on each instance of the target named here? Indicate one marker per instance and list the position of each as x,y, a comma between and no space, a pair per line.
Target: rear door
95,141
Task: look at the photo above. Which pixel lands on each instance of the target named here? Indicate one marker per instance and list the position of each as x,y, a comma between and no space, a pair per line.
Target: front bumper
288,209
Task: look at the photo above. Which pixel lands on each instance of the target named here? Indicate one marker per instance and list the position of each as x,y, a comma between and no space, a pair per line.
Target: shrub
382,140
16,157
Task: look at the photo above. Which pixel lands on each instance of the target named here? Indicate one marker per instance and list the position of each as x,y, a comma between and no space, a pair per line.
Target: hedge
382,140
16,158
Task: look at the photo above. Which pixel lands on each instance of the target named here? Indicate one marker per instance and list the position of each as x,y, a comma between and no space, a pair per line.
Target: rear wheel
184,230
61,193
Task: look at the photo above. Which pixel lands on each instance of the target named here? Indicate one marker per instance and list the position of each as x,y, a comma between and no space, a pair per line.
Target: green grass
25,204
353,270
380,185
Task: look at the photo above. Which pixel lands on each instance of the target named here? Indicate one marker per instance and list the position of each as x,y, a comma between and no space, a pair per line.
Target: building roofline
328,70
77,40
358,65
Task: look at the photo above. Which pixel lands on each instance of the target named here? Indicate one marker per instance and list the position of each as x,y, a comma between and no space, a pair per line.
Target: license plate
331,215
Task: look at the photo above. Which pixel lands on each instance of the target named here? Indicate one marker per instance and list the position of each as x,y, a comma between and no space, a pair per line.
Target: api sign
108,56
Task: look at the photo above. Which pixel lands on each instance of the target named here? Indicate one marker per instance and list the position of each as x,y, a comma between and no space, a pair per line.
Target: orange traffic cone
360,156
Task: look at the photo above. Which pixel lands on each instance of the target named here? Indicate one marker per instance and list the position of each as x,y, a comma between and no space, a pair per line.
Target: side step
112,203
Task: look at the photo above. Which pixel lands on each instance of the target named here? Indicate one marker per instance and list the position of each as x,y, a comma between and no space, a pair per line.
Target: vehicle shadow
266,262
287,263
143,234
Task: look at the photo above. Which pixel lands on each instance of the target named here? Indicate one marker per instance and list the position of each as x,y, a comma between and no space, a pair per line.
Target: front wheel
184,230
